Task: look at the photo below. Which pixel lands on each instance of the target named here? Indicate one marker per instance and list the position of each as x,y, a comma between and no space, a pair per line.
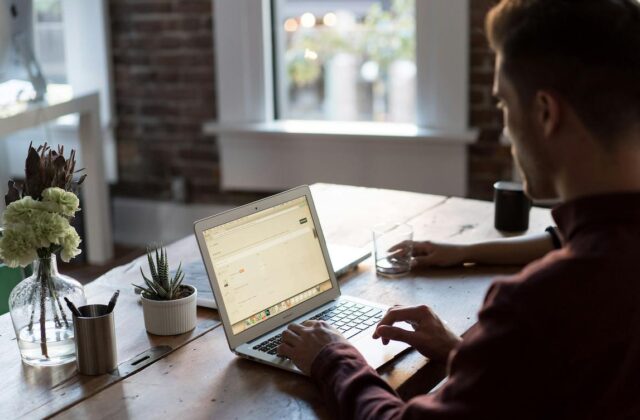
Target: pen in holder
95,339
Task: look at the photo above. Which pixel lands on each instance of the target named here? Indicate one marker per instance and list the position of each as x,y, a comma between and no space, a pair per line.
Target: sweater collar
602,210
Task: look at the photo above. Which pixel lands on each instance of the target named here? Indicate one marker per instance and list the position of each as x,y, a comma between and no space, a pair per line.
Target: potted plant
36,227
169,307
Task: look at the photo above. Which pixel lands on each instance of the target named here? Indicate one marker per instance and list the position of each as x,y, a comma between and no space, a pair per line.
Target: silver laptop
343,259
269,266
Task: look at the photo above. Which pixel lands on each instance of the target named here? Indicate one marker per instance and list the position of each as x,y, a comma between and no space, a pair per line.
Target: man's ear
547,112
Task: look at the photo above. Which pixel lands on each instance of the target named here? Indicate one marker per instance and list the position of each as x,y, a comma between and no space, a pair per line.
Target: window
264,148
70,41
48,39
345,60
43,36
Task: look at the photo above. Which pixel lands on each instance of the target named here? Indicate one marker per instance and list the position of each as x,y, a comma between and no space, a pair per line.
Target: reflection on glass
350,60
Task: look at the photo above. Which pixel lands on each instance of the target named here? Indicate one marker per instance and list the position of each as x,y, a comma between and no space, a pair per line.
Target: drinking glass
392,248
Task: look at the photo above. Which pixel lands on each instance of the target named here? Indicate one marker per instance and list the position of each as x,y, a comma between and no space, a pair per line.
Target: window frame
245,73
244,47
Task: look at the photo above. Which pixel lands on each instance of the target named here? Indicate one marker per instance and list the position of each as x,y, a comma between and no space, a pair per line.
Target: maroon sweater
560,339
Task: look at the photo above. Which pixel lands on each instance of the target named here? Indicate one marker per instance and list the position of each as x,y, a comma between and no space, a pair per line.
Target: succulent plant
161,286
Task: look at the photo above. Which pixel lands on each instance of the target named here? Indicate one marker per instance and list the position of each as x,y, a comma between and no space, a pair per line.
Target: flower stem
54,311
43,319
33,307
55,297
54,300
64,315
44,271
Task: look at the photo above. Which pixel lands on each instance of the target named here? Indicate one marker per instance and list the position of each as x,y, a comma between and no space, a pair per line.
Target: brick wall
164,90
488,160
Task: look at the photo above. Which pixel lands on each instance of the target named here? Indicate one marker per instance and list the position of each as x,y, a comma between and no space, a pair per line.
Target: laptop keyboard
349,318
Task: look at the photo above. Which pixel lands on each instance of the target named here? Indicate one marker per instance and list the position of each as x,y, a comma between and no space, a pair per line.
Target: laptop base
374,352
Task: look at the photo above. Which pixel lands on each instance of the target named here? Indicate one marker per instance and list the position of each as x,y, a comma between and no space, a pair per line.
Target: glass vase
41,318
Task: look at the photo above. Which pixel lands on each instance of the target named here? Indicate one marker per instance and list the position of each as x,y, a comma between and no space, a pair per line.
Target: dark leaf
60,175
72,161
33,175
14,193
59,162
42,150
47,168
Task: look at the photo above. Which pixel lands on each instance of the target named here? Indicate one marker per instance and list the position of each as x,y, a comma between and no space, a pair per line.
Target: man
561,339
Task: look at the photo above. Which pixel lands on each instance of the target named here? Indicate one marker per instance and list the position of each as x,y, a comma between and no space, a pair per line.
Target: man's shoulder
562,285
536,276
556,272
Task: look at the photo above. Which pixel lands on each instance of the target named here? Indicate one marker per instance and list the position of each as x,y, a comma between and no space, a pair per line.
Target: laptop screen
267,263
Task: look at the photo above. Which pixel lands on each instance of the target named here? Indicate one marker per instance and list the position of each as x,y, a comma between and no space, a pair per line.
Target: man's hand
431,254
431,336
302,343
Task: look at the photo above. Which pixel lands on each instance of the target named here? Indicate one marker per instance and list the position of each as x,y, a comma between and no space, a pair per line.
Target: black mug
512,207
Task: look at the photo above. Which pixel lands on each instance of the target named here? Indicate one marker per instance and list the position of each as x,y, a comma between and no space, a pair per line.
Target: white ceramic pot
170,317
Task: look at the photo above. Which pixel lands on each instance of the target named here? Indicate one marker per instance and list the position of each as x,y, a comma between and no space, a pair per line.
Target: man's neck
598,172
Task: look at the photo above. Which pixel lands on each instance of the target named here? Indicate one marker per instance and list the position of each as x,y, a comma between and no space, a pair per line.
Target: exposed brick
481,78
194,6
488,160
482,61
165,88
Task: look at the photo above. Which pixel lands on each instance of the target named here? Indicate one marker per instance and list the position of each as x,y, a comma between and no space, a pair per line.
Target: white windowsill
344,130
278,155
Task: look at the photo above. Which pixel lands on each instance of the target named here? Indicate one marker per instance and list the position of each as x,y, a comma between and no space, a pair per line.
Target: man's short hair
587,51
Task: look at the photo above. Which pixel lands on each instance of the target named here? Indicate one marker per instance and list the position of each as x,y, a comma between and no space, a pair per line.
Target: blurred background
157,67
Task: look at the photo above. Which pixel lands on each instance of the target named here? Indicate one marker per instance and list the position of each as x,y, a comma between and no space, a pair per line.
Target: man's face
528,149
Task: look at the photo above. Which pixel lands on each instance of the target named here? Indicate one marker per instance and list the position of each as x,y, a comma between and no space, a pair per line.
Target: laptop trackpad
376,353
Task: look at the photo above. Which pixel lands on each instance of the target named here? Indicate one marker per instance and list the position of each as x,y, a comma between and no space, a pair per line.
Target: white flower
70,244
23,210
17,248
31,225
66,201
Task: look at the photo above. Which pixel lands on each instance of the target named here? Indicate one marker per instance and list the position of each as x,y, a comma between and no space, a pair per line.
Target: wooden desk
199,377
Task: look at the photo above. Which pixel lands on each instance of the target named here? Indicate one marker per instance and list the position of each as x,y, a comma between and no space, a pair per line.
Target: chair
9,278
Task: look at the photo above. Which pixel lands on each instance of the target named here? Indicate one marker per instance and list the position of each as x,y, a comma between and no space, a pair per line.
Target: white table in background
95,203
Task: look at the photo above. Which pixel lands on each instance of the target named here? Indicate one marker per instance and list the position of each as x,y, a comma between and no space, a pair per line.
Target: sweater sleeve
352,388
490,373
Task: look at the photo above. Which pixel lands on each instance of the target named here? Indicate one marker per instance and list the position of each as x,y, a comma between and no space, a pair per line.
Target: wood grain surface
37,392
205,380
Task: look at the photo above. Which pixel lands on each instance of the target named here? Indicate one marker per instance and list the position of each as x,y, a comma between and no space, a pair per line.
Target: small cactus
161,286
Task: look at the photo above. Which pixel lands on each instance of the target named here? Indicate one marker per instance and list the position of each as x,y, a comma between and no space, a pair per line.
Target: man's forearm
516,251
